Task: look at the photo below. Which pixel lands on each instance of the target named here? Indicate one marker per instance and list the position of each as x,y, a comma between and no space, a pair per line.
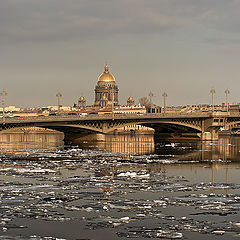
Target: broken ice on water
162,195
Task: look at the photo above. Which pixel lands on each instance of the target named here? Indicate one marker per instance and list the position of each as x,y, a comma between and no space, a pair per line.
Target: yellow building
106,90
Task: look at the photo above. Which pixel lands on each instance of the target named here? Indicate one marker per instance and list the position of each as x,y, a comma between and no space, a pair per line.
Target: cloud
59,20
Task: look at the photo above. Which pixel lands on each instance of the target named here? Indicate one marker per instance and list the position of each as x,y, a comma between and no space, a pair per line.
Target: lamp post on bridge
58,95
164,100
213,92
150,96
112,102
3,94
227,92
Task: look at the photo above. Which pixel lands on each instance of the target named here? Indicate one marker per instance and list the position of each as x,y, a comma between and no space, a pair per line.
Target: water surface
125,188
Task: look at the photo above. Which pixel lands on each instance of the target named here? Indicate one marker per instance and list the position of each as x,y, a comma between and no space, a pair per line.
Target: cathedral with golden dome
106,90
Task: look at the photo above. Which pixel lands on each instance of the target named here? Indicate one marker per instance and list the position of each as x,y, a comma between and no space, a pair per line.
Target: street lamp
227,92
58,95
3,94
112,101
150,96
213,92
164,100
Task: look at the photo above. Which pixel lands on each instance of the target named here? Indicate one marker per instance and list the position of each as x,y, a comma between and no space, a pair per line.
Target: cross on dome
106,68
106,76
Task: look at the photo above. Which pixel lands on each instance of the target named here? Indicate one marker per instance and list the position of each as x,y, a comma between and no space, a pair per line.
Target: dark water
127,187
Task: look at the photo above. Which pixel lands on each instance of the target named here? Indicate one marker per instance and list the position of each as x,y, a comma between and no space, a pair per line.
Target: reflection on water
19,141
217,155
167,190
139,144
136,144
225,149
229,148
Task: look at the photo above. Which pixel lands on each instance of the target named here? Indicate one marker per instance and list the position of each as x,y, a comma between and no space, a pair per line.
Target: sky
182,47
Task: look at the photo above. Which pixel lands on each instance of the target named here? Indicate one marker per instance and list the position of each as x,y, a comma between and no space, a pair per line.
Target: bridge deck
61,118
181,122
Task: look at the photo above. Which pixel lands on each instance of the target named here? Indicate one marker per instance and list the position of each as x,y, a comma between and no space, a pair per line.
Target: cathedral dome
106,76
82,98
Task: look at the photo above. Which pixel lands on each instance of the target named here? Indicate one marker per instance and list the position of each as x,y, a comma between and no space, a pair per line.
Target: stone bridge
204,125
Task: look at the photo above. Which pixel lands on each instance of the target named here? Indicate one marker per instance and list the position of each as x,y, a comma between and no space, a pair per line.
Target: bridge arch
74,128
110,125
175,126
58,127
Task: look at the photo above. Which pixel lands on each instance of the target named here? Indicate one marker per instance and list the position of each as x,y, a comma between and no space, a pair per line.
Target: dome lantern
106,68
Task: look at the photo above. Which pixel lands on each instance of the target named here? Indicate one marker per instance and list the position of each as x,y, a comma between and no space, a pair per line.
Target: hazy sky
183,47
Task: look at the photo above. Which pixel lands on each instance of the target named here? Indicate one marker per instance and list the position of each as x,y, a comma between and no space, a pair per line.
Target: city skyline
183,48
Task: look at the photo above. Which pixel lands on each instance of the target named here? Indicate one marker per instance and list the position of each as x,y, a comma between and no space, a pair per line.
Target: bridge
203,125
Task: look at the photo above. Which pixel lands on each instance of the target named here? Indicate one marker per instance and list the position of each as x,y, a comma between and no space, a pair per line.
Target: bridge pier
210,136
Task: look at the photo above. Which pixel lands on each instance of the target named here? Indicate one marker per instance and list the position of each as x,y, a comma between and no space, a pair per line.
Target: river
126,187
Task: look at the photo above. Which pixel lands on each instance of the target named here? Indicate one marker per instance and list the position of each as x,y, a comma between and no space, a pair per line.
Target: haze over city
183,47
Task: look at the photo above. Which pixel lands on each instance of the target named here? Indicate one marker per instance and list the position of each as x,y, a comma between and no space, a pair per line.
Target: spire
106,68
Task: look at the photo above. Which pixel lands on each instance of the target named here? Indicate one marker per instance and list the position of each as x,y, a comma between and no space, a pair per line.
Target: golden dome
130,98
106,76
82,98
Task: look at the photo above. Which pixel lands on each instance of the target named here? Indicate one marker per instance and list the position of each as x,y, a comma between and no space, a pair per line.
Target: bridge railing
118,116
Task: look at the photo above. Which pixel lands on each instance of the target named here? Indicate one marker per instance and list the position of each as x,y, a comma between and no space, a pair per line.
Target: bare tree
143,101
